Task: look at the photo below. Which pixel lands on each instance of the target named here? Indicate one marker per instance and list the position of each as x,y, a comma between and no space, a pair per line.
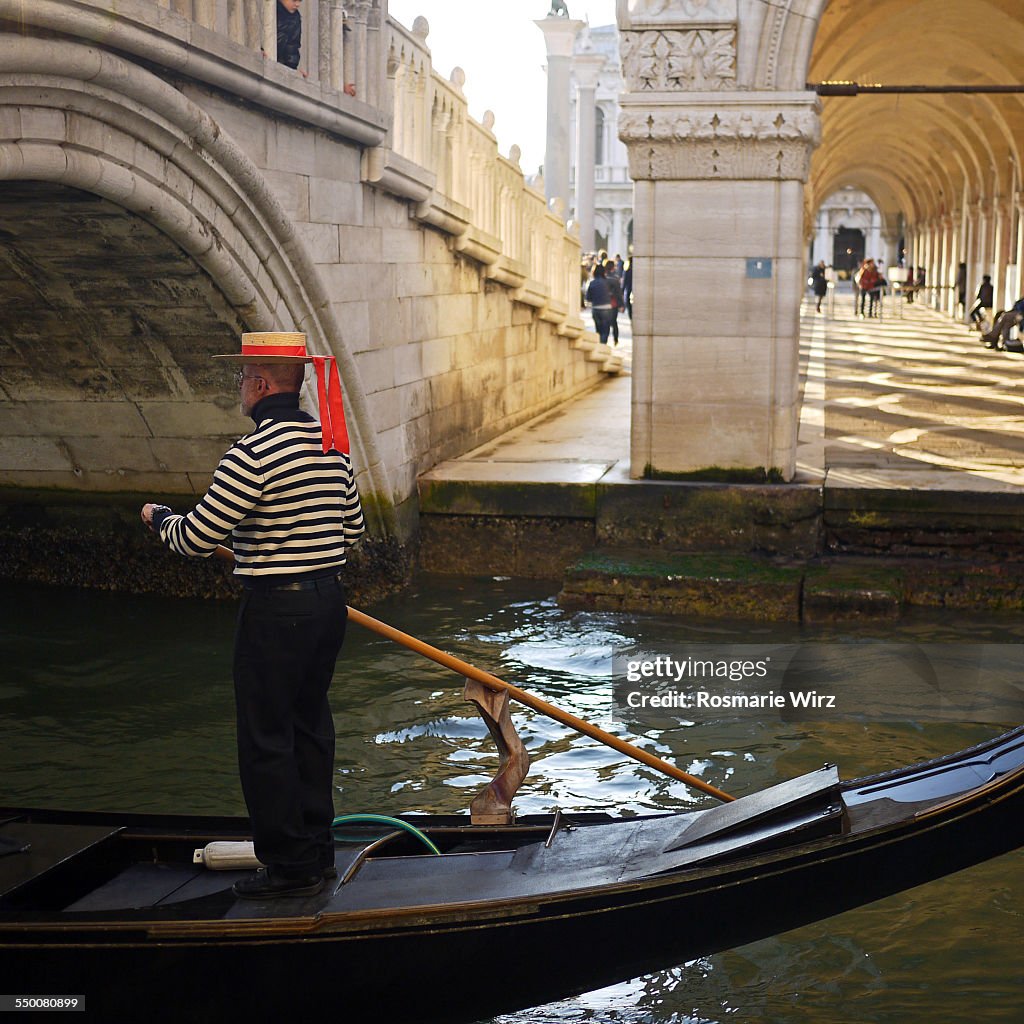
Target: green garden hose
381,819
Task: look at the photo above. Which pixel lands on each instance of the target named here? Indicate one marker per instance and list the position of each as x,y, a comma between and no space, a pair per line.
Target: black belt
310,584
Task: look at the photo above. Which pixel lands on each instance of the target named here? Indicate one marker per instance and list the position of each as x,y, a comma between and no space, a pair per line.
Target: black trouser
286,646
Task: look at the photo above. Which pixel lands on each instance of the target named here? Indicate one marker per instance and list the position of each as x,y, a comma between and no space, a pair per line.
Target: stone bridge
166,184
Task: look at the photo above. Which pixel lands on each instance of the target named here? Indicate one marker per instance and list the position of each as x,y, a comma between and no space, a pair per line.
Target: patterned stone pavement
910,400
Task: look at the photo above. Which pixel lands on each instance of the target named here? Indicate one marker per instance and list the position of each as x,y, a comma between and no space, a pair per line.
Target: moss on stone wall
719,474
99,542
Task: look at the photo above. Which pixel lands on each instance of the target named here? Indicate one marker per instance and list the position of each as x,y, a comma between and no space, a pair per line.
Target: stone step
610,360
712,585
724,585
837,590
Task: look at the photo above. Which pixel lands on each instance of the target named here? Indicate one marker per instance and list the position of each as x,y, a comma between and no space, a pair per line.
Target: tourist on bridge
289,32
615,286
286,496
599,295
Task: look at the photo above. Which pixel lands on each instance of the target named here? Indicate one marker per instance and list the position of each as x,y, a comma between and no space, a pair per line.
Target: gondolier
286,495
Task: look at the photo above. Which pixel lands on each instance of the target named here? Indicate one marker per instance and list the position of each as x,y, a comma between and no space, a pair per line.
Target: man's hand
147,513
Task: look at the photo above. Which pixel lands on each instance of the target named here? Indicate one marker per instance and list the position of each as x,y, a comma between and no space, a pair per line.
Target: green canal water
124,703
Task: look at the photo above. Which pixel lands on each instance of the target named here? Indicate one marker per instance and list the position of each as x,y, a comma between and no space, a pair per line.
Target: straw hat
290,347
271,347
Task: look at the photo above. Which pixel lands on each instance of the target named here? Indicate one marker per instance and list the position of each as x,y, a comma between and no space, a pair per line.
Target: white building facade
849,227
613,187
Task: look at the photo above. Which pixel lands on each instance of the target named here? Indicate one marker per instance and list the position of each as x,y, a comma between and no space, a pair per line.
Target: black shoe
327,867
265,885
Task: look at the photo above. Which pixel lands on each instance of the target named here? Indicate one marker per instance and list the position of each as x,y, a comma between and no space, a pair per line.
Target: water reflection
125,703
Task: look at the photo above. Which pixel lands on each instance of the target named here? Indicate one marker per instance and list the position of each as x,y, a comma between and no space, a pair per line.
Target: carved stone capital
739,136
679,60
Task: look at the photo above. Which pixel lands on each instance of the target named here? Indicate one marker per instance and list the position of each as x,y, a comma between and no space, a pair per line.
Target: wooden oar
494,683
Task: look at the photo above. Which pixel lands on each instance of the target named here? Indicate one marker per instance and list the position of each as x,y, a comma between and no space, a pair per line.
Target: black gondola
505,917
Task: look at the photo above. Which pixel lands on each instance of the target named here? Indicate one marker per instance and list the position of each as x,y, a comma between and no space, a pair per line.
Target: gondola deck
94,897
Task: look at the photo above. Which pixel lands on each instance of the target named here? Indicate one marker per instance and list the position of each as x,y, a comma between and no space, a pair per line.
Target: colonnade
986,234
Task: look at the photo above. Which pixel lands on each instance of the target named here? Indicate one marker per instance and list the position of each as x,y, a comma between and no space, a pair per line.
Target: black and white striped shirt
291,510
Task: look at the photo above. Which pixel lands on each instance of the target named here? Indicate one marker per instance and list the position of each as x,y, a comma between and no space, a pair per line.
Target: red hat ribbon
251,350
332,409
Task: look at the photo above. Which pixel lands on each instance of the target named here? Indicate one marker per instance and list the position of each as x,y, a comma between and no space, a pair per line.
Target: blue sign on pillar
759,268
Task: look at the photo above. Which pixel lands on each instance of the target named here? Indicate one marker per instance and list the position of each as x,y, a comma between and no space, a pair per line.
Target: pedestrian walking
599,295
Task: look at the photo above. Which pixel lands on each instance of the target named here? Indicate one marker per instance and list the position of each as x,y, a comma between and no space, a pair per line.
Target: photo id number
45,1003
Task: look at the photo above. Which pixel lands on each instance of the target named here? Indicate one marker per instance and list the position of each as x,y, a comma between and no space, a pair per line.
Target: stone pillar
890,253
359,74
617,238
998,265
873,241
957,257
718,247
587,68
971,237
268,40
932,266
1017,281
947,295
926,256
823,240
938,256
985,234
559,36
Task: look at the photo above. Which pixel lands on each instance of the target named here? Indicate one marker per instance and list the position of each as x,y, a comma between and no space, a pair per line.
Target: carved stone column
956,249
1016,285
971,251
617,238
359,75
874,236
984,250
587,69
823,245
718,246
559,36
998,263
947,272
890,249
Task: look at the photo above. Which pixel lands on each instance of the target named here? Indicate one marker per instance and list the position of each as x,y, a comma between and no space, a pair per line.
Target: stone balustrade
451,164
340,40
436,154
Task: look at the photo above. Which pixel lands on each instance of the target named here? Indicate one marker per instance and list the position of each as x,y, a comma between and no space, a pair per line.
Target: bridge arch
86,121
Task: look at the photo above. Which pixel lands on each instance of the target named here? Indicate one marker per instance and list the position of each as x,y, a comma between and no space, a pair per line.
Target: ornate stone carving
681,124
695,60
646,12
708,140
